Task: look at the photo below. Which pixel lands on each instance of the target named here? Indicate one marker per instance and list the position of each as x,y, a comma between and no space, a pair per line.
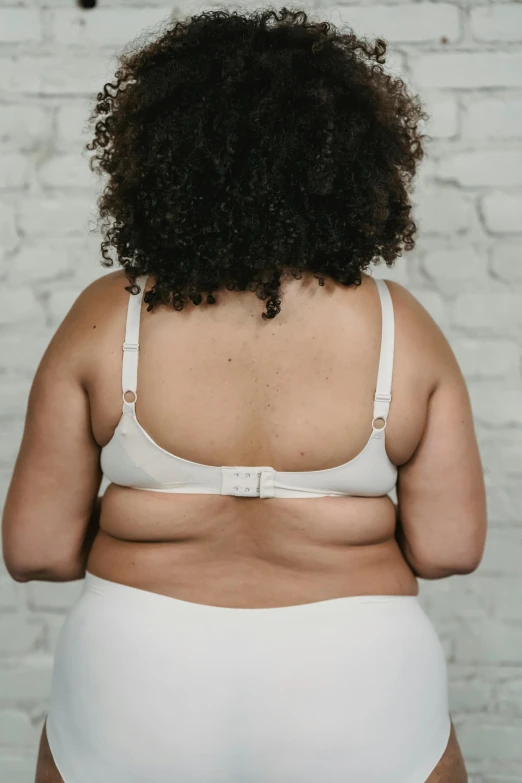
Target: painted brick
505,261
502,452
53,625
53,595
34,262
481,358
18,635
8,593
508,697
502,555
464,70
444,118
26,681
455,264
456,598
21,351
72,124
504,499
19,305
8,233
16,728
469,695
497,23
18,25
14,393
493,118
46,74
503,212
16,769
56,216
443,211
14,170
489,642
477,168
492,741
67,171
496,404
516,777
484,310
465,270
506,600
24,127
107,26
408,23
123,5
10,441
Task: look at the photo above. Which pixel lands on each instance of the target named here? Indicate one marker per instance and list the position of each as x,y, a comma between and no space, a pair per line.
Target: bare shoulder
408,307
97,309
421,333
94,302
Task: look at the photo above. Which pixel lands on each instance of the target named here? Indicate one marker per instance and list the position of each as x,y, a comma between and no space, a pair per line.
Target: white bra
133,459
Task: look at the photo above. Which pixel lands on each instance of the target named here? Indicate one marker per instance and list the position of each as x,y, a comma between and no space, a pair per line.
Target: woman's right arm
441,509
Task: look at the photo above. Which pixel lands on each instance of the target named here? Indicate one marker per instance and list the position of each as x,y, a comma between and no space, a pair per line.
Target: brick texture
464,58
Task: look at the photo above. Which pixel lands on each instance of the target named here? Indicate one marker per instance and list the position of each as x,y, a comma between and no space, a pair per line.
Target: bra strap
382,397
129,373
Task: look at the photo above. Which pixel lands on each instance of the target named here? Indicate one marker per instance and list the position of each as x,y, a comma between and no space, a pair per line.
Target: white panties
152,689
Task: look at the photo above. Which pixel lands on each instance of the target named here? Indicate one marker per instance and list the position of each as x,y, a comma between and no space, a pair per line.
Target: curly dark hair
242,147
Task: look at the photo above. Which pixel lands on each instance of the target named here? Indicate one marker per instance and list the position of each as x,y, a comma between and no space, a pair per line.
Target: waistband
339,605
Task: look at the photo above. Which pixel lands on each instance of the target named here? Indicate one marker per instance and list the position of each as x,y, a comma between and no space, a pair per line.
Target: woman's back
219,385
249,153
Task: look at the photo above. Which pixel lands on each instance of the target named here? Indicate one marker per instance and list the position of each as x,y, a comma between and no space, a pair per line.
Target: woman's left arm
51,509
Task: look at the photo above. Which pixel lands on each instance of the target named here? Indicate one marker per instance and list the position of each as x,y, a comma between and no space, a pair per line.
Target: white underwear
152,689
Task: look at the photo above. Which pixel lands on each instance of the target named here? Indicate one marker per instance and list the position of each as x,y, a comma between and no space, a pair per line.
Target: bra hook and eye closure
245,481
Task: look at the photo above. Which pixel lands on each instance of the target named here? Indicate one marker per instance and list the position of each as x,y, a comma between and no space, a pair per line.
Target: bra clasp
243,481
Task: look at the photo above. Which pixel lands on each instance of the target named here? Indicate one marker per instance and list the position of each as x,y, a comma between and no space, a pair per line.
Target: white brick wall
465,58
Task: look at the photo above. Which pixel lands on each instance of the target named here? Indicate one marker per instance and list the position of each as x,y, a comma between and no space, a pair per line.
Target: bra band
382,397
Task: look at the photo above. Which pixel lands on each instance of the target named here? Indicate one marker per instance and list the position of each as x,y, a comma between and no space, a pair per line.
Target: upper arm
440,490
57,474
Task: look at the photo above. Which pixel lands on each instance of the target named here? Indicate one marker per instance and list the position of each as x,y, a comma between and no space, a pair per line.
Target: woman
250,610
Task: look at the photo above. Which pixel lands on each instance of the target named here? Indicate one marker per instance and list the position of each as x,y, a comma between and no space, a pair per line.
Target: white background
465,59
